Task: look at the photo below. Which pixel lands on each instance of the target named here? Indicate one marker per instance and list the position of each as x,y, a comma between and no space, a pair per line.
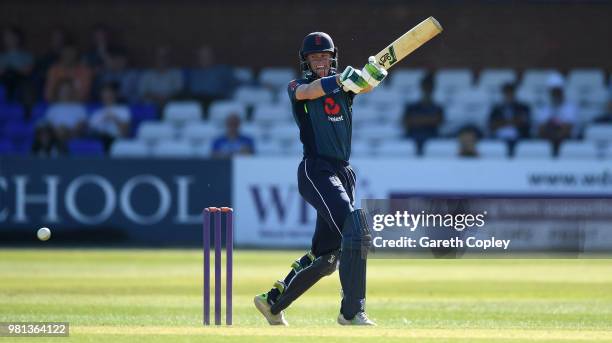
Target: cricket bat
408,42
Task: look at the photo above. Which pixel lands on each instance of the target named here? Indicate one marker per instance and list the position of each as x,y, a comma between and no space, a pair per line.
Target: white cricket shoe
261,303
360,318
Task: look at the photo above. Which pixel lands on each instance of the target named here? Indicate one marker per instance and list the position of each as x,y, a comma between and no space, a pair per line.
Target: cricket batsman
321,102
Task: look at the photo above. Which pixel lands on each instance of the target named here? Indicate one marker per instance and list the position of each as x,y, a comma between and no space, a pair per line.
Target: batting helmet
317,42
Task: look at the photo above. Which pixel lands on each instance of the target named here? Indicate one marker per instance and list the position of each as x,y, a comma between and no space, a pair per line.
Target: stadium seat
541,78
471,107
588,113
141,113
173,149
533,149
276,78
400,148
535,85
579,151
492,149
152,131
200,132
450,81
11,113
596,97
366,114
407,82
362,148
6,147
598,132
282,97
492,80
272,113
220,109
441,148
85,147
244,75
250,95
384,97
38,111
287,132
585,79
182,112
496,77
378,132
203,149
129,148
21,134
268,148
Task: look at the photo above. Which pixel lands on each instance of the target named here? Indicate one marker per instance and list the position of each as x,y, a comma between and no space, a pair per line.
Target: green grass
156,296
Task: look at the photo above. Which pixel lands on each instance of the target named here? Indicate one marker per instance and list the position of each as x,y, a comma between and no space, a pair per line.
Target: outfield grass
156,296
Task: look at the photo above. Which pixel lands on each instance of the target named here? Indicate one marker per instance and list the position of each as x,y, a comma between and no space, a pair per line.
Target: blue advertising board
104,201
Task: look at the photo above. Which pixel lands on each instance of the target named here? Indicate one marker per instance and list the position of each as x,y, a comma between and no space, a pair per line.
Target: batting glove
372,73
351,80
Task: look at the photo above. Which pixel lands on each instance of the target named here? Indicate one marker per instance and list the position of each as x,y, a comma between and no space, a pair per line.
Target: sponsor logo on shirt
332,109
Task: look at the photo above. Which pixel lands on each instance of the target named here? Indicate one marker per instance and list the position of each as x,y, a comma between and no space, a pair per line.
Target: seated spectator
509,120
162,83
423,118
210,81
556,121
98,57
112,121
16,65
118,73
606,118
57,41
232,142
67,117
467,137
69,68
46,143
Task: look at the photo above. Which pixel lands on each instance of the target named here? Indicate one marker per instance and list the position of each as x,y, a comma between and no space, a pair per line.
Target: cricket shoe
360,318
261,302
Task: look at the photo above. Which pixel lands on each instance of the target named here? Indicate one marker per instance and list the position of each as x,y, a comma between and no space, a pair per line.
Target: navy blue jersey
325,123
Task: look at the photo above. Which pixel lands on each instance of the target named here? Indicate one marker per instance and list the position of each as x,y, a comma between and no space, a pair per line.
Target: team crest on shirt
332,109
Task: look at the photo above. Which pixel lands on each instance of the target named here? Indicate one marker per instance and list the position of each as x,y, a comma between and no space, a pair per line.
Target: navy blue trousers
328,186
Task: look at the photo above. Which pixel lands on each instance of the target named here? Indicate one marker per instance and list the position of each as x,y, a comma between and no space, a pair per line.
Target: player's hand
351,80
373,73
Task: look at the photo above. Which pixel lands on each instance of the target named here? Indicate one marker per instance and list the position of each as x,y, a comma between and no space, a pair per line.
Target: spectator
509,120
118,73
67,117
15,65
467,138
556,121
69,68
162,83
210,81
58,40
46,143
232,142
423,118
112,121
98,57
606,118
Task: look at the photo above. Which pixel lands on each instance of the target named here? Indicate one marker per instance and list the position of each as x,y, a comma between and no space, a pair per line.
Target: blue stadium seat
141,113
21,134
85,147
6,147
11,113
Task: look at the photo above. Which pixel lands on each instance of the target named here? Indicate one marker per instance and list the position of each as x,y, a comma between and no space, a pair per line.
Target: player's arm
315,89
